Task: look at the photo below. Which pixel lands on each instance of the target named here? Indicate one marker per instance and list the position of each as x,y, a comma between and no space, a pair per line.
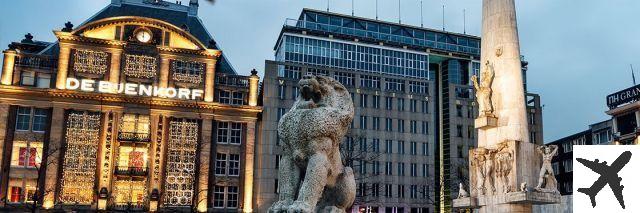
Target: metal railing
36,61
232,80
381,36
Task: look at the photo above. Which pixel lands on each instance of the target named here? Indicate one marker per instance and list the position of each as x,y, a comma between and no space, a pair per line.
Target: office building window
568,165
413,191
375,190
400,125
414,170
413,150
459,110
375,166
425,170
387,190
401,169
376,102
363,100
469,111
425,127
400,191
368,81
389,103
388,147
363,122
388,168
400,104
363,145
281,112
392,84
400,147
375,145
413,105
296,92
418,87
413,126
459,130
425,149
388,124
346,79
425,107
376,123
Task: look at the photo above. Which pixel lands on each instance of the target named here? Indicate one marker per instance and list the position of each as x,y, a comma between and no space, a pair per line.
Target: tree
358,158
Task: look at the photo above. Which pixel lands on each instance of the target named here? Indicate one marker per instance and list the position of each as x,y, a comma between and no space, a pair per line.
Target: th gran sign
625,96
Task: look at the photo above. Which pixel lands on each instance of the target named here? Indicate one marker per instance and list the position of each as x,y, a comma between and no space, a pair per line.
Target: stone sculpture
484,91
546,179
523,187
479,161
312,132
461,192
504,161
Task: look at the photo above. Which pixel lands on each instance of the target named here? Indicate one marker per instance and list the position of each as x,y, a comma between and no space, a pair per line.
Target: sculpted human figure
479,162
483,90
503,160
312,132
548,152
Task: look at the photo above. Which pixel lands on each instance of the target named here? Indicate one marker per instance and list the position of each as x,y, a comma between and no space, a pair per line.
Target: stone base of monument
534,198
486,122
501,179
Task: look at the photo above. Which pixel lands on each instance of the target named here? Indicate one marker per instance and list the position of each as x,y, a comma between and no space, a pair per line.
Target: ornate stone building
134,109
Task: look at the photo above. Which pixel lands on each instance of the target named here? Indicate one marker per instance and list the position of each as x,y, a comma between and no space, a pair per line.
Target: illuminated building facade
135,109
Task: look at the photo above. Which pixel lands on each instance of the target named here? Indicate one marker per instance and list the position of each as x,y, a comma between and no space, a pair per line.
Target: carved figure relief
478,162
311,168
503,169
546,179
484,91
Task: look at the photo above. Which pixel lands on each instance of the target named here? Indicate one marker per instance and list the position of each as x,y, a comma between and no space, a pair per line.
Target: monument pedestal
486,122
502,179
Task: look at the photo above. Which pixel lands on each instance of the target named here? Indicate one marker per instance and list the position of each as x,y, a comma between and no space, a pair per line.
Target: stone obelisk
501,55
505,165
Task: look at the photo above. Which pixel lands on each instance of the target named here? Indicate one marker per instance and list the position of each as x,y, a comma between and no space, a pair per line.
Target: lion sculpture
312,132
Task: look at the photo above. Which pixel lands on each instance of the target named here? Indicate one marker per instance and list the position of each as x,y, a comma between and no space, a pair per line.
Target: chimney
193,7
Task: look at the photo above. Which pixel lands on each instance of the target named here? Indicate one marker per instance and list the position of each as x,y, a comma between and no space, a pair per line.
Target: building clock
143,35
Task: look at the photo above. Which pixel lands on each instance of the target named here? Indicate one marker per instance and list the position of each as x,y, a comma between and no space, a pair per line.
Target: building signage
625,96
89,85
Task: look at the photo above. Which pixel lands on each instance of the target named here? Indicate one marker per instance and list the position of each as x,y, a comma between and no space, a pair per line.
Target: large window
229,133
89,61
134,127
31,119
367,81
182,148
227,164
231,97
346,79
187,71
225,197
140,66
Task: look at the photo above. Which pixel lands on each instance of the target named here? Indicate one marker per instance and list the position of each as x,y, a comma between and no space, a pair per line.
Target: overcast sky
579,51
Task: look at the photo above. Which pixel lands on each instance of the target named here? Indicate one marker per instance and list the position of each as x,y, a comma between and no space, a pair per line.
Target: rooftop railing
295,23
36,61
232,80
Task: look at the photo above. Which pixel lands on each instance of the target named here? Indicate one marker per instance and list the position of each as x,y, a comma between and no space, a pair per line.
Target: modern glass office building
413,123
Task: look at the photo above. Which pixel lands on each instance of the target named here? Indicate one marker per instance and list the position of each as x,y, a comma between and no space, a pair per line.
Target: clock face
143,35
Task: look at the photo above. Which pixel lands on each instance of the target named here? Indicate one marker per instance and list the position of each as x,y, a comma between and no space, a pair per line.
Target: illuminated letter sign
625,96
89,85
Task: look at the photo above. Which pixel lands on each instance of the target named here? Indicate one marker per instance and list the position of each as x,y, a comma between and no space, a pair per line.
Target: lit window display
187,71
134,128
180,168
130,192
89,61
140,66
79,164
26,154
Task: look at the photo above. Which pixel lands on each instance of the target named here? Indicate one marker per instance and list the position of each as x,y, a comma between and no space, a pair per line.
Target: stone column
114,71
253,88
205,157
63,65
4,113
7,67
56,138
248,168
209,80
501,49
165,64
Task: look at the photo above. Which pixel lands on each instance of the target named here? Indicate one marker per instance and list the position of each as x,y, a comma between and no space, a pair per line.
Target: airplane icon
608,175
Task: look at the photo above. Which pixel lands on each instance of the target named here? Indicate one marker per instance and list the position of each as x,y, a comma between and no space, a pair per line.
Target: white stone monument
505,161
